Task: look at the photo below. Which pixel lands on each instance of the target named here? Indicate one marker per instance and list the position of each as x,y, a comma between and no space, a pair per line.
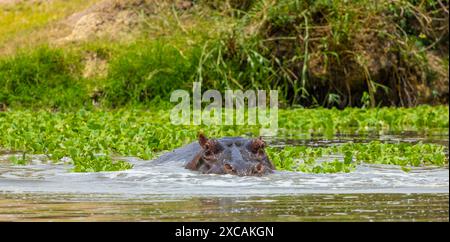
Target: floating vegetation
406,155
91,137
332,121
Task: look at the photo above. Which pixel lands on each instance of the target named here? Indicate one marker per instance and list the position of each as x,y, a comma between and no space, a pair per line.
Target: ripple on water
171,178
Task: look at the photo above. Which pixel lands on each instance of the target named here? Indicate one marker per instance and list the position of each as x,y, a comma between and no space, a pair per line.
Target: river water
165,191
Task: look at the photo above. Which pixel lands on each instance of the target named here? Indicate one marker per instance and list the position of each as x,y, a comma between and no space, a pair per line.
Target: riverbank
320,53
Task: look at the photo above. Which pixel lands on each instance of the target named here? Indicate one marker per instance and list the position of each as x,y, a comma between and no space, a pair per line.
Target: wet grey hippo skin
183,154
229,155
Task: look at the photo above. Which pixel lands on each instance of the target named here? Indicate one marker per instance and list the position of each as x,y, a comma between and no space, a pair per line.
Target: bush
145,71
42,77
331,53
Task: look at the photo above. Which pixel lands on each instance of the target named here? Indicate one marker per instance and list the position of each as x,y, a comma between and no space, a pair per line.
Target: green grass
137,74
43,78
146,71
25,17
325,53
316,53
91,137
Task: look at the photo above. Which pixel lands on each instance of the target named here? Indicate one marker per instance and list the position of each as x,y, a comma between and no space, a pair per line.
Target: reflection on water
319,207
163,191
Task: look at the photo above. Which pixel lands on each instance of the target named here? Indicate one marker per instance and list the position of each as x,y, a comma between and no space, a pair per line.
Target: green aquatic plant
321,120
305,159
97,163
91,137
315,159
402,154
22,160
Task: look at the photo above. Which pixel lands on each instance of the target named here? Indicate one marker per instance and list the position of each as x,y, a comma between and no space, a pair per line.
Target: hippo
229,155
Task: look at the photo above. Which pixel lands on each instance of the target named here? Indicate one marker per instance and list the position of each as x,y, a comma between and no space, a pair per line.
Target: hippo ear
257,144
202,140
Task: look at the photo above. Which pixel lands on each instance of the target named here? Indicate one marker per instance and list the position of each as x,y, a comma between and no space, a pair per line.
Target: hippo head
236,156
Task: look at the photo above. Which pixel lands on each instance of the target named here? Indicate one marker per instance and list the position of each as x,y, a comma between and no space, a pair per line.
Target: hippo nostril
259,168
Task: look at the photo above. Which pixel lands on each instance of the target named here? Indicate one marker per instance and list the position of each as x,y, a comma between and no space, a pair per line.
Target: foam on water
150,178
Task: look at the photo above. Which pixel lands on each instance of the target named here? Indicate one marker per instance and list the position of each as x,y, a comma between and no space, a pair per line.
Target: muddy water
306,207
165,191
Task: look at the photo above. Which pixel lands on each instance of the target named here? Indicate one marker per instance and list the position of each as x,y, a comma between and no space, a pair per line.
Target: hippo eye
208,153
212,147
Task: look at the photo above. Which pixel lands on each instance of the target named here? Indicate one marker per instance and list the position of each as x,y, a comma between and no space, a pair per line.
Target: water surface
155,190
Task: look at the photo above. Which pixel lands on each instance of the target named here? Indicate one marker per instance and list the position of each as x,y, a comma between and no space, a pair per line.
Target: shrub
41,77
147,70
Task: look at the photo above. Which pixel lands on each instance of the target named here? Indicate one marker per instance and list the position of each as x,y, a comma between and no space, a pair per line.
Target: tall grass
145,71
316,53
42,78
333,53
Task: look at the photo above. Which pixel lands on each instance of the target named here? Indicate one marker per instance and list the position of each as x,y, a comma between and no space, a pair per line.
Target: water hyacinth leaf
145,134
